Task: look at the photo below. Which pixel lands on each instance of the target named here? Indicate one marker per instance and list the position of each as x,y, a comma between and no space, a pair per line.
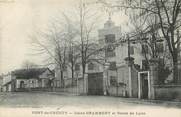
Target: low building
28,79
7,82
1,83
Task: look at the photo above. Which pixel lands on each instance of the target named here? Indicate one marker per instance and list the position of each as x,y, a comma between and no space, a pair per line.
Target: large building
114,51
122,69
116,45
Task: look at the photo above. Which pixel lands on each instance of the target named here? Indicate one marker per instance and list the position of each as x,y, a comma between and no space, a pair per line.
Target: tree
167,12
53,45
73,55
69,39
149,37
28,65
87,23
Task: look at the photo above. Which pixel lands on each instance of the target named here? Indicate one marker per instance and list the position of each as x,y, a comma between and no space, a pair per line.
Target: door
145,88
95,84
143,85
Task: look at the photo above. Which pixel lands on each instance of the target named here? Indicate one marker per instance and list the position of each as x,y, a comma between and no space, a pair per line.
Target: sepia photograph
90,58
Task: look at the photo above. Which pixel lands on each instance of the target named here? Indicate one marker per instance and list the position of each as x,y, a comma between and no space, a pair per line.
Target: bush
163,72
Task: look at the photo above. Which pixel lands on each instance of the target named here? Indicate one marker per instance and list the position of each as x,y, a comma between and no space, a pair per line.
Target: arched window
22,84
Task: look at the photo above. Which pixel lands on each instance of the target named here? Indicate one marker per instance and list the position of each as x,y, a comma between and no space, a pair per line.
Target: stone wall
68,82
134,77
123,78
123,74
70,89
117,91
45,89
168,92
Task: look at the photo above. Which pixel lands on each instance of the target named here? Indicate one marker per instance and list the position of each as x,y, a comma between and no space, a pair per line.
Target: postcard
90,58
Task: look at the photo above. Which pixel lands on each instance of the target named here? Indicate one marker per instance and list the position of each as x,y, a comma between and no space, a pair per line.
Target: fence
168,92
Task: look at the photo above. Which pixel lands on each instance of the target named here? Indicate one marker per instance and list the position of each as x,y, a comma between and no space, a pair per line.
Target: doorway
143,85
95,84
22,84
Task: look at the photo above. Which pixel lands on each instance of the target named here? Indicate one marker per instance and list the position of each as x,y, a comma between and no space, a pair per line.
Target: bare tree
58,44
149,37
71,34
168,14
87,24
28,65
152,46
73,39
52,44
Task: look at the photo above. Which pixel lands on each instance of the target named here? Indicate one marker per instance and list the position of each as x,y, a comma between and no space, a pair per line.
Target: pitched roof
29,73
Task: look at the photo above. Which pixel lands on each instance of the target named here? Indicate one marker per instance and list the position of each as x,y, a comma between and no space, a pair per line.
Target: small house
29,79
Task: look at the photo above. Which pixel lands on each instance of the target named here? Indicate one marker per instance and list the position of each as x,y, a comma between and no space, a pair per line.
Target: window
145,65
144,49
110,54
113,81
131,50
110,38
110,47
77,67
91,66
64,68
112,66
110,51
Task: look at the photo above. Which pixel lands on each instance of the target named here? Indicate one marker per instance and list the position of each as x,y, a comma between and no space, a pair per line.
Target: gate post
179,72
130,62
85,81
153,77
105,78
104,81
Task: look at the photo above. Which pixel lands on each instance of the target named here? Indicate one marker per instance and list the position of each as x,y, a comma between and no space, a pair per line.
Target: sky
19,18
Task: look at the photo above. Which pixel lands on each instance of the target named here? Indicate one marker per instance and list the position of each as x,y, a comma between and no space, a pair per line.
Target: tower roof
109,23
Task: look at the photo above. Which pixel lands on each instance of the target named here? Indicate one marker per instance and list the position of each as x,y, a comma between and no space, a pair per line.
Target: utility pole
128,47
129,61
117,84
179,56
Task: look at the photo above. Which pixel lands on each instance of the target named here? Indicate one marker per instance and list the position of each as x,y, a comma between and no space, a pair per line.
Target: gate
95,83
144,85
